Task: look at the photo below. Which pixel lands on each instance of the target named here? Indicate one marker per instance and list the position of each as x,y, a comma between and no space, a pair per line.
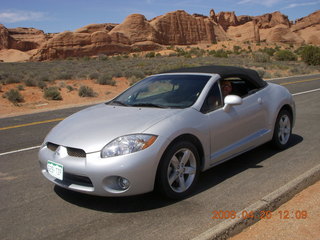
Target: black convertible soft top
225,72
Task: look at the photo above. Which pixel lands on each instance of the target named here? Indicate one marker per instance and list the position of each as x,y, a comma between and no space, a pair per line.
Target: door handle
260,100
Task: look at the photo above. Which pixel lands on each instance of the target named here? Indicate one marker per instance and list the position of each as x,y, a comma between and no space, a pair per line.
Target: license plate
55,170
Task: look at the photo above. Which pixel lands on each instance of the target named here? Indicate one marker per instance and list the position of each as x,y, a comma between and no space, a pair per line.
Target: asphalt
290,212
262,179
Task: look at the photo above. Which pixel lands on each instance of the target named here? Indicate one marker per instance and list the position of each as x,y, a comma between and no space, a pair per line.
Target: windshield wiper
119,103
148,105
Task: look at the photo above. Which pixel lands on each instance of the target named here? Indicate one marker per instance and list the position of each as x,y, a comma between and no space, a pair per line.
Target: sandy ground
296,219
35,102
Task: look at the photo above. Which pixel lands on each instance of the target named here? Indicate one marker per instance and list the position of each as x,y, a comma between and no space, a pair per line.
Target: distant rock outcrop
136,33
181,28
308,28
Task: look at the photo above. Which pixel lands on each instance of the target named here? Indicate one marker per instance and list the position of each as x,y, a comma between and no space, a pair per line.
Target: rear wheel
178,170
282,130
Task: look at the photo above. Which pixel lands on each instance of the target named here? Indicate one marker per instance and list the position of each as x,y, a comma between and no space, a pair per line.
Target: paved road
32,208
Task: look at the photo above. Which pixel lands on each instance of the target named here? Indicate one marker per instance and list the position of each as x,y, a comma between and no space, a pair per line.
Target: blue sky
61,15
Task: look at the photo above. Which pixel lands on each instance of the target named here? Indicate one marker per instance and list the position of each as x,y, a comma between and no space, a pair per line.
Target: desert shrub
261,72
63,76
85,91
285,55
30,82
70,88
311,55
12,79
277,74
42,84
236,49
260,57
181,52
150,54
221,53
52,93
94,75
196,52
106,79
20,87
134,73
133,80
14,96
43,77
103,57
269,51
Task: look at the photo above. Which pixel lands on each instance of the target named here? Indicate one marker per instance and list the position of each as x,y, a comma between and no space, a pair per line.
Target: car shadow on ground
153,200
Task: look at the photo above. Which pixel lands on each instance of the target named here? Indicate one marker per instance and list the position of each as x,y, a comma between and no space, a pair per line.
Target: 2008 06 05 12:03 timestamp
281,214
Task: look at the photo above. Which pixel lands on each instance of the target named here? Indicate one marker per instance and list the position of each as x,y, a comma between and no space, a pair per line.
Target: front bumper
98,176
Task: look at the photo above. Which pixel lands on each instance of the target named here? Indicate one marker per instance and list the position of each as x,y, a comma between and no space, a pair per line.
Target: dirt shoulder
35,102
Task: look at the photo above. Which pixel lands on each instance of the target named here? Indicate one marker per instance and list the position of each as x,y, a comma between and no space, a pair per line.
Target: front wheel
282,130
178,170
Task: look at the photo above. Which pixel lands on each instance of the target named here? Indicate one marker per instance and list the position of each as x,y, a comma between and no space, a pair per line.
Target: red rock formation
136,33
308,28
179,27
91,28
4,37
227,19
136,28
25,39
270,20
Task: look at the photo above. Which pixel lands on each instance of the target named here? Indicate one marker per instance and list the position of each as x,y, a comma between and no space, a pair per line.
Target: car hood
92,128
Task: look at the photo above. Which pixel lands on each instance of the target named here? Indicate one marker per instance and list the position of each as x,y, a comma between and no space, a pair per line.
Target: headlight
127,144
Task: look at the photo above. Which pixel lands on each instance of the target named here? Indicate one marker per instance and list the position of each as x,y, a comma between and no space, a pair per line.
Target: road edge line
270,202
20,150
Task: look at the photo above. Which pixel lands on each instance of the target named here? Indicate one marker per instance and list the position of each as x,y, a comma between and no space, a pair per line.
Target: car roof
225,72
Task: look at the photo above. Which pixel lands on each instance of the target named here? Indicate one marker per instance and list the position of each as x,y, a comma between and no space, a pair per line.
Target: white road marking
19,150
310,91
35,147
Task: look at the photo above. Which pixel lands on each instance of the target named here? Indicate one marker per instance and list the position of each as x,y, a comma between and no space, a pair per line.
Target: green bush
85,91
285,55
52,93
237,49
14,96
269,51
106,79
261,57
20,87
311,55
221,53
70,88
150,54
94,75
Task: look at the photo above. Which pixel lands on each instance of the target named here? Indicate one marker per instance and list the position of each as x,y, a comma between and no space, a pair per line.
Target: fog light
123,183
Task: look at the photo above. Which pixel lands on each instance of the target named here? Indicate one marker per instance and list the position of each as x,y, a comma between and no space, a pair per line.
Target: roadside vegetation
270,62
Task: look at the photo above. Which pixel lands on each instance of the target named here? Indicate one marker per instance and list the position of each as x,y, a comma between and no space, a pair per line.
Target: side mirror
230,101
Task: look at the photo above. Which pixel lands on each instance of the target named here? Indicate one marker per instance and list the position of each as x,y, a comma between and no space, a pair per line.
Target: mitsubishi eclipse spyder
166,129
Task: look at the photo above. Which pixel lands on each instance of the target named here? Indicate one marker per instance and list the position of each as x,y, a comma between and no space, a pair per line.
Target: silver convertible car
166,129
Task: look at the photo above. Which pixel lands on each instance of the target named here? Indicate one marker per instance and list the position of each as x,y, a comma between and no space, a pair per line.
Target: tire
282,130
178,170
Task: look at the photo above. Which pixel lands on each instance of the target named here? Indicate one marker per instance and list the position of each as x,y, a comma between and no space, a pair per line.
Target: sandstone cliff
136,33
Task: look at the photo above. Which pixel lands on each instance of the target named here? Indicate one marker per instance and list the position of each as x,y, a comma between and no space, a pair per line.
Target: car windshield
164,91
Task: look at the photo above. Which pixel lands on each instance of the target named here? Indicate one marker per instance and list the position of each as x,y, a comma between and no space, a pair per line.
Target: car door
236,130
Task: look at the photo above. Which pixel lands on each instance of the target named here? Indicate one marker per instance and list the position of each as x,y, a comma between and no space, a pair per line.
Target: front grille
76,179
73,152
53,147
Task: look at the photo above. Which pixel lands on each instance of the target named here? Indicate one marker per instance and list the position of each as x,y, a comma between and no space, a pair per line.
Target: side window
237,86
213,100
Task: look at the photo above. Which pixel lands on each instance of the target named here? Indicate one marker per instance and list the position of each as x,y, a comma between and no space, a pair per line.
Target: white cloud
294,5
13,16
267,3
